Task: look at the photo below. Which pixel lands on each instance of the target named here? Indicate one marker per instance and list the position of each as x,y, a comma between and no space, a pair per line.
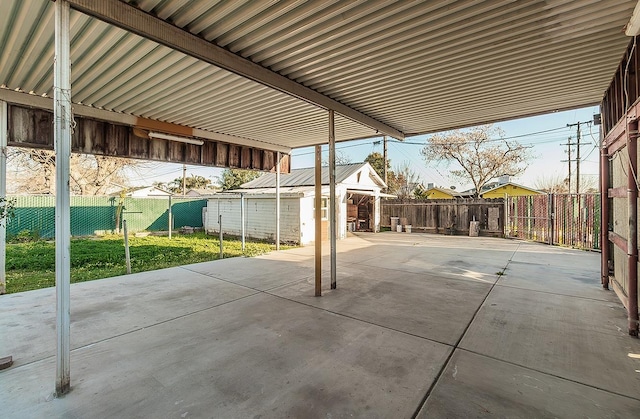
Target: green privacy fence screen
92,215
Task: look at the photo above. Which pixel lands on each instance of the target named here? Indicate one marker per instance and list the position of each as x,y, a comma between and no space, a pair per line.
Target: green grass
31,265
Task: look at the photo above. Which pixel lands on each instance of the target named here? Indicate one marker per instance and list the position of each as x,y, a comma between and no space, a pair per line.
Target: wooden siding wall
447,216
33,128
620,109
260,217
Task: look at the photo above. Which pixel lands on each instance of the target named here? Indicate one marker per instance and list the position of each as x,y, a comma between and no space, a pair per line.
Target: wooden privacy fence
560,219
447,216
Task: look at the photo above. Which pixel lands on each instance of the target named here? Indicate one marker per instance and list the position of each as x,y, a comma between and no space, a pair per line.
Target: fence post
507,221
221,237
170,217
127,256
550,218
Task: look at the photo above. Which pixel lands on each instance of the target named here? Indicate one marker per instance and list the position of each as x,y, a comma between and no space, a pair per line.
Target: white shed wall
260,217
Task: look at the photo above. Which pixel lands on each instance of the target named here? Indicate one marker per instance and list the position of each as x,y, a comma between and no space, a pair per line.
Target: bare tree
556,183
407,181
89,175
481,153
341,158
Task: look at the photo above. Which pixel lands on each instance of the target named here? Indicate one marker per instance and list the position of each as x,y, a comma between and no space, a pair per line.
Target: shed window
324,209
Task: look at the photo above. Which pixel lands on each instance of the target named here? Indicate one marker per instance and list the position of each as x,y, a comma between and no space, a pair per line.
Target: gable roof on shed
306,176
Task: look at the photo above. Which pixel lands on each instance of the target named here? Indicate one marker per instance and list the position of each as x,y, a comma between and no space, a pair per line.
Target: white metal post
278,157
318,221
170,214
332,195
4,128
62,140
242,221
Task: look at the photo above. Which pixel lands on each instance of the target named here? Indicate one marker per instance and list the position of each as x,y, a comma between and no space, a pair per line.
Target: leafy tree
233,178
190,182
376,160
481,153
7,208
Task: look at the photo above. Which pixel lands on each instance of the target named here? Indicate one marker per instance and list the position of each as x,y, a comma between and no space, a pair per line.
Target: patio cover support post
242,221
62,141
632,238
332,195
4,126
318,218
278,157
604,216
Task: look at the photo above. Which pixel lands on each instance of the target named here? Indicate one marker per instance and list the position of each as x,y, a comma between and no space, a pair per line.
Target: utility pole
184,179
577,160
569,160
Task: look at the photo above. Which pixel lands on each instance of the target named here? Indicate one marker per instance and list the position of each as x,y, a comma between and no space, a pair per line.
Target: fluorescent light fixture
633,27
175,138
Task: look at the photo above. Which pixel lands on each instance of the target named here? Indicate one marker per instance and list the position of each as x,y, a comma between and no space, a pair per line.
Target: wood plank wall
33,128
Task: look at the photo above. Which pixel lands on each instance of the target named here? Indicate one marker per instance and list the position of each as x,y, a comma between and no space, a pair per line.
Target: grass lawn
31,265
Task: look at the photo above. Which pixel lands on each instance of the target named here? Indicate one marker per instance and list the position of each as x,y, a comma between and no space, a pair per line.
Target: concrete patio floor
420,325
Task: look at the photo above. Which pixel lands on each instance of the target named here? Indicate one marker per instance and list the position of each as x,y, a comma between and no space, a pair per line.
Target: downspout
604,216
632,238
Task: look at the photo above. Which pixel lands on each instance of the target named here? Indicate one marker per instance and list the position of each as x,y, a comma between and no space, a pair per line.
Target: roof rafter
137,21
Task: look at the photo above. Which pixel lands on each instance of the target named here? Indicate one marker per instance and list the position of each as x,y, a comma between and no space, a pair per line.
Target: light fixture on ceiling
633,27
169,137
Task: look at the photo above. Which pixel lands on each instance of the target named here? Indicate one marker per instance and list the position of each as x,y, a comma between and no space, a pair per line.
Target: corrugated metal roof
417,66
304,177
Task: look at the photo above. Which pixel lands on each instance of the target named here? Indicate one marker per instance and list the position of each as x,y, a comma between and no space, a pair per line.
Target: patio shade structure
266,75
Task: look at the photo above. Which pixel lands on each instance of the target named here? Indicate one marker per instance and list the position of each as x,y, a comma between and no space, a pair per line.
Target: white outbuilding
358,192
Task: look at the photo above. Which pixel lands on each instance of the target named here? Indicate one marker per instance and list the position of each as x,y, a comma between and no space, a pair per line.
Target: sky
546,133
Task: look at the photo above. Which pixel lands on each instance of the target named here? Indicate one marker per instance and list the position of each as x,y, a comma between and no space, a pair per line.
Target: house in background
508,189
501,188
435,192
144,192
202,192
358,192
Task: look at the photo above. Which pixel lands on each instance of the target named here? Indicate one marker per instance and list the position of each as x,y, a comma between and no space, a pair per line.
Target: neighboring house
509,189
144,192
358,192
201,192
441,193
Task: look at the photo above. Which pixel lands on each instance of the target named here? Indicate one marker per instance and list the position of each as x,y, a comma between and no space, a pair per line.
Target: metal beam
332,195
129,18
4,128
318,221
63,120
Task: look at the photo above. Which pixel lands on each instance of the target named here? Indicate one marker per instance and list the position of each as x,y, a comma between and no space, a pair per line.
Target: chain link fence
560,219
95,215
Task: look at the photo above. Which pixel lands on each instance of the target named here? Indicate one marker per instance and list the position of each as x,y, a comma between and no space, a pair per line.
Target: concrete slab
556,270
106,308
261,273
475,386
578,339
424,304
261,355
246,337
